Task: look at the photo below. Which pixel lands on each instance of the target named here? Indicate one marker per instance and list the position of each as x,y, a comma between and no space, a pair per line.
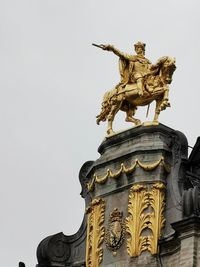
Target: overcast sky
52,82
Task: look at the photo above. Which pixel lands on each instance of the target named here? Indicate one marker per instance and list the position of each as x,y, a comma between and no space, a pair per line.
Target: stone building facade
142,205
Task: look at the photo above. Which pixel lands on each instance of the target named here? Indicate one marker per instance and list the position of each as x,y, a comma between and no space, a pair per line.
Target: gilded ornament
115,232
95,233
137,220
127,170
145,212
157,219
141,83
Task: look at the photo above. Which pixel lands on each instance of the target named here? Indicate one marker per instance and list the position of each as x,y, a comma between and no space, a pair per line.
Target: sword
99,46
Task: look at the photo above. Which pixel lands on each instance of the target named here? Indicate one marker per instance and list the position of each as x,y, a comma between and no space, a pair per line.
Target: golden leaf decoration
137,220
157,219
95,233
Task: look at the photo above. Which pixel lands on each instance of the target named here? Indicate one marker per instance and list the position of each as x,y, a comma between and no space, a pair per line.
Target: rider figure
133,68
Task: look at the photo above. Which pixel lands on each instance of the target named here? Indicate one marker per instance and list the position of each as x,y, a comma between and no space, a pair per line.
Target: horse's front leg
165,102
157,110
114,109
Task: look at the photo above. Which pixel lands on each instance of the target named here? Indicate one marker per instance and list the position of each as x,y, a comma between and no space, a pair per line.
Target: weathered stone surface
107,178
61,250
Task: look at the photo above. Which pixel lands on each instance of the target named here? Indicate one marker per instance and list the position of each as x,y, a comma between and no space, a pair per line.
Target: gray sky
52,83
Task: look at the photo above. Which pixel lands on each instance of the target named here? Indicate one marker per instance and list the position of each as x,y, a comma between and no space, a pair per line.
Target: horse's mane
156,67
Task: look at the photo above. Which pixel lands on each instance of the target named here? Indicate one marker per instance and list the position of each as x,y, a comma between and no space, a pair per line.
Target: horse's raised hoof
165,105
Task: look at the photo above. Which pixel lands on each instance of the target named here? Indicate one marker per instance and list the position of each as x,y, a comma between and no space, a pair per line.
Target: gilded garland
127,169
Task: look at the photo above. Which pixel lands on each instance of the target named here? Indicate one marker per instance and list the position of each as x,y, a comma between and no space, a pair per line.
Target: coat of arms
115,232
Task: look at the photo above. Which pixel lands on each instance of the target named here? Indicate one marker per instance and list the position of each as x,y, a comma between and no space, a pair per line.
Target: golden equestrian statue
141,83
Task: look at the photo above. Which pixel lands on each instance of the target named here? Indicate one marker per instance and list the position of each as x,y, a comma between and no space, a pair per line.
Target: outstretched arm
114,50
118,52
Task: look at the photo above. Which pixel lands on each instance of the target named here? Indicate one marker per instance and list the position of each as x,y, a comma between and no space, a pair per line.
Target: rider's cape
124,70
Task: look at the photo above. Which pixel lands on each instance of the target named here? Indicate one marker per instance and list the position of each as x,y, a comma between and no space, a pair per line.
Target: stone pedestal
136,194
139,174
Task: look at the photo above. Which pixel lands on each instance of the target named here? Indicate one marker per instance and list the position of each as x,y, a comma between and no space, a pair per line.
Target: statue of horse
127,99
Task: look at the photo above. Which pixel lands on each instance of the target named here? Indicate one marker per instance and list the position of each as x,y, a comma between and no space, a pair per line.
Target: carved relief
137,220
115,232
157,219
95,233
141,217
124,169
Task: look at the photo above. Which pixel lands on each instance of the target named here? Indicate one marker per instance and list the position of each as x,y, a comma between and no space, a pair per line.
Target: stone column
188,231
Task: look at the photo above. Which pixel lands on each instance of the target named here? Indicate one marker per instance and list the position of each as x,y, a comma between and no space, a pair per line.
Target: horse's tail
105,108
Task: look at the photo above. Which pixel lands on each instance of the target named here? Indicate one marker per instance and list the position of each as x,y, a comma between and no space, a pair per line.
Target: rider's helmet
140,44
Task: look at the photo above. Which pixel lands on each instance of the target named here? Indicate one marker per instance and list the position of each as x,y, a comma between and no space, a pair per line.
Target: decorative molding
124,169
115,232
137,220
157,219
145,212
95,233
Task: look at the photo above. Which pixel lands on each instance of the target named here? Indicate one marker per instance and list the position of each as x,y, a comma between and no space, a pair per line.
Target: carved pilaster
137,220
95,233
157,219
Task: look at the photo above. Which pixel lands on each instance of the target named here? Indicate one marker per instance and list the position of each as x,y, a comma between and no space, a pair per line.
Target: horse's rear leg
129,116
114,109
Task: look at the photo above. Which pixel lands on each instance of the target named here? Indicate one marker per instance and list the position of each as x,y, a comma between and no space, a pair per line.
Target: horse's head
167,68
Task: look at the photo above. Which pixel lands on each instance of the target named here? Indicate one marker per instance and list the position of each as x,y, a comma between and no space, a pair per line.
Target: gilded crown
115,215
